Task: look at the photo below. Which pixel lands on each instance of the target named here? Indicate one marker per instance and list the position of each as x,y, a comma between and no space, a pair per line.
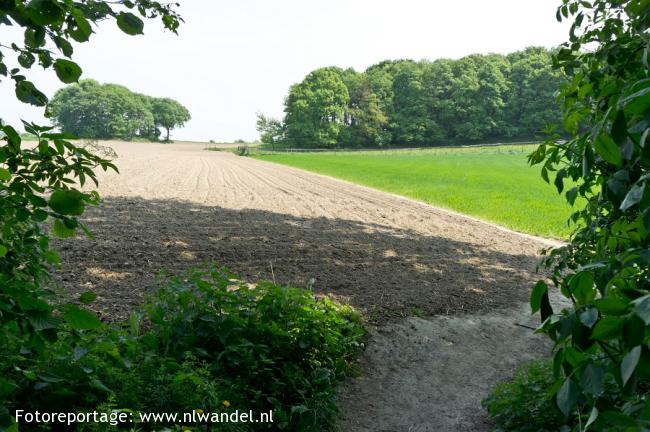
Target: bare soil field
175,206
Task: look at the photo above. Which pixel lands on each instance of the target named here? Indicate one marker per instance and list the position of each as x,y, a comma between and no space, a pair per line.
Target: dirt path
175,206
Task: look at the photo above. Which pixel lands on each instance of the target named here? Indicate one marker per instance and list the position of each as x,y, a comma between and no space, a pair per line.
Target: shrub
526,404
36,188
266,346
601,361
243,150
202,338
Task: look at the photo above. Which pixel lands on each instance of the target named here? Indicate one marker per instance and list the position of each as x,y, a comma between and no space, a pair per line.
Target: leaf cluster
41,194
52,26
38,188
601,363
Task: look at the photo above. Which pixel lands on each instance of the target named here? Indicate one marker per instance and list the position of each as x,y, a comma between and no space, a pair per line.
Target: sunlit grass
495,184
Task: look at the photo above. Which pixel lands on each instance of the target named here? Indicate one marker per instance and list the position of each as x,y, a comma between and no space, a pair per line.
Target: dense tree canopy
168,114
103,111
402,102
315,108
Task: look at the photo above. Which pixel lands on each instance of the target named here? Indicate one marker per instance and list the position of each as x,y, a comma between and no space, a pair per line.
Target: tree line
425,103
105,111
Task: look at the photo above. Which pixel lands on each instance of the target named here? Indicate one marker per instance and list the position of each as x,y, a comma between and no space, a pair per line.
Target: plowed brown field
178,205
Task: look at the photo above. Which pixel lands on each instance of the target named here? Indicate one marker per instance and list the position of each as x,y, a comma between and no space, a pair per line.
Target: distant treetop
104,111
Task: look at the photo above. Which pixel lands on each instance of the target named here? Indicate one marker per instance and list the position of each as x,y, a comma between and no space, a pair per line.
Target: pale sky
232,59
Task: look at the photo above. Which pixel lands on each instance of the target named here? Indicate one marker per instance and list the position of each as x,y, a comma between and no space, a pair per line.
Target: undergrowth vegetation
525,404
204,341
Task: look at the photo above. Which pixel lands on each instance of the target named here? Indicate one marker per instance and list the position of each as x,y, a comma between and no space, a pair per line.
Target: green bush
601,360
268,347
526,404
204,340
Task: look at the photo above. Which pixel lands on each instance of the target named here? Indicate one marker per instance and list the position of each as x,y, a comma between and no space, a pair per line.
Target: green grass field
491,183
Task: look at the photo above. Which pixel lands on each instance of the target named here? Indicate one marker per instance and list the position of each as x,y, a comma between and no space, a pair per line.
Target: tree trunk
167,135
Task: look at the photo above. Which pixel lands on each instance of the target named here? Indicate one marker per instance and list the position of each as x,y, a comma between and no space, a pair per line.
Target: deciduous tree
271,130
315,109
91,110
169,114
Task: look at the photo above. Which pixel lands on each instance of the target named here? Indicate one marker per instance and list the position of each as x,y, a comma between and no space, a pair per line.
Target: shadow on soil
383,271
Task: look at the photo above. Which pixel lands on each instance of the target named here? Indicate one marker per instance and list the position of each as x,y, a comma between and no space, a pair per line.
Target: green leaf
81,319
51,378
567,397
52,257
28,93
592,417
633,331
637,103
611,306
35,38
12,136
582,287
633,197
26,60
546,308
87,297
619,128
299,409
559,180
589,317
64,46
536,296
44,12
81,30
67,71
545,175
62,231
67,202
129,23
608,150
571,195
628,365
5,174
572,121
45,59
39,215
573,356
592,379
607,328
642,308
3,251
618,418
